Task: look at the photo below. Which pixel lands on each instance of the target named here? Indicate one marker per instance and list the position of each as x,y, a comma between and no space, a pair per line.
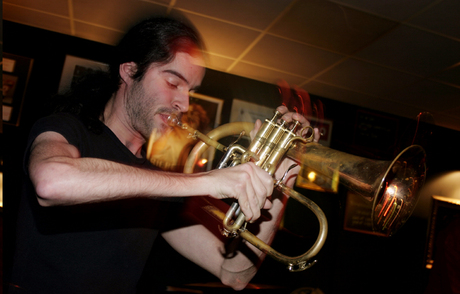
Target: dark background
349,262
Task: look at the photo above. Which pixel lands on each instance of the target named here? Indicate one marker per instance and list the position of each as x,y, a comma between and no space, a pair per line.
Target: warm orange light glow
391,190
392,200
202,162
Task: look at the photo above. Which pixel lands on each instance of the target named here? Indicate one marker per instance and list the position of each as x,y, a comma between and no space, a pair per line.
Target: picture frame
212,106
213,109
15,77
76,67
358,215
445,216
249,112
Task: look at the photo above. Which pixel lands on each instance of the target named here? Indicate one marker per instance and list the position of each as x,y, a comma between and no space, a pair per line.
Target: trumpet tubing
391,186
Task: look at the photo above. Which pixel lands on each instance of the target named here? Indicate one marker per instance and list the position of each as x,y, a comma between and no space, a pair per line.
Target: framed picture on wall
208,109
16,73
75,68
249,112
358,215
443,225
204,115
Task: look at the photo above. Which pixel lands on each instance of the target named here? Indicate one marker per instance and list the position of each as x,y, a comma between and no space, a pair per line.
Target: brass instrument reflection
170,151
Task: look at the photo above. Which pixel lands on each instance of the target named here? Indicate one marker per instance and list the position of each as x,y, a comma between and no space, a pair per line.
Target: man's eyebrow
180,76
173,72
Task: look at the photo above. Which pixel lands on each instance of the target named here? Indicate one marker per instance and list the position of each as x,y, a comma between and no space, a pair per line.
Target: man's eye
174,86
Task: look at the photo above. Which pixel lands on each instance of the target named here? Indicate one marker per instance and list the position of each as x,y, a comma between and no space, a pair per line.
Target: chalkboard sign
374,131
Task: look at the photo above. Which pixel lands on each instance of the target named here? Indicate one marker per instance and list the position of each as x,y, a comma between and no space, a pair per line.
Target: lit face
163,90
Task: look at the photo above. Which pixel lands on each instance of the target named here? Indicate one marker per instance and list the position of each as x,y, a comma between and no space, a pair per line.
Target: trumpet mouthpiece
174,120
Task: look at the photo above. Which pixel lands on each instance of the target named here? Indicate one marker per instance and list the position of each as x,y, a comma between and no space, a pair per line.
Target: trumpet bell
396,198
391,186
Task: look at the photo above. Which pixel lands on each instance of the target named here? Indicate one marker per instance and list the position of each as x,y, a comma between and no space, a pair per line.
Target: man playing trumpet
93,204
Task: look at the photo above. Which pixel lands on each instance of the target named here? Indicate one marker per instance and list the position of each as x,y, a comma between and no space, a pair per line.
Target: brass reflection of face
196,117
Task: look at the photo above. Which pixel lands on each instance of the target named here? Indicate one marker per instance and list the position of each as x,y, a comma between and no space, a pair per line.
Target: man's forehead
188,68
195,57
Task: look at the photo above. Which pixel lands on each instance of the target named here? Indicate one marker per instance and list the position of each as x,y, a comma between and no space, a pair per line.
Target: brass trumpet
391,186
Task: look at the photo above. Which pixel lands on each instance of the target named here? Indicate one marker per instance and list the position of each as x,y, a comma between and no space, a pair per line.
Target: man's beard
139,108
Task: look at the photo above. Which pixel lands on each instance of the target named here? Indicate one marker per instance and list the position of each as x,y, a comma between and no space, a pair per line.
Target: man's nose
181,101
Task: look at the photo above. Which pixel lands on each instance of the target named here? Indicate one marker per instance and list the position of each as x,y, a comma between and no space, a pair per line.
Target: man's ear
127,70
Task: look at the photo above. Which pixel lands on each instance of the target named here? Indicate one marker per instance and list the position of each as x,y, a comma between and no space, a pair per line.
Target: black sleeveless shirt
91,248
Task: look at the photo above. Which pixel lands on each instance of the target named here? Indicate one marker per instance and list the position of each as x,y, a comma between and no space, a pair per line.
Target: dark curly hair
154,40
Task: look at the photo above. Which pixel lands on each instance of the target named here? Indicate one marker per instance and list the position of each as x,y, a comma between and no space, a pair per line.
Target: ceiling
396,56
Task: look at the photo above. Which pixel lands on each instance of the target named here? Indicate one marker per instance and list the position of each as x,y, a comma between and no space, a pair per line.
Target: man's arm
235,267
62,177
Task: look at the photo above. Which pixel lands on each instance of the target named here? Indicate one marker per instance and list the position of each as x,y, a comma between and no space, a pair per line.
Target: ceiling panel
58,7
265,74
36,18
119,15
218,62
97,33
430,95
330,26
452,114
367,78
344,95
450,75
385,105
398,10
413,50
256,14
442,18
302,59
216,35
399,57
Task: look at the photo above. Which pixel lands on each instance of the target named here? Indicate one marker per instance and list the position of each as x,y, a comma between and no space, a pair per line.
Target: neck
116,119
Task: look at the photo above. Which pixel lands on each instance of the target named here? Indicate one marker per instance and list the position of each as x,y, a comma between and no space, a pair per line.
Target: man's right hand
247,183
